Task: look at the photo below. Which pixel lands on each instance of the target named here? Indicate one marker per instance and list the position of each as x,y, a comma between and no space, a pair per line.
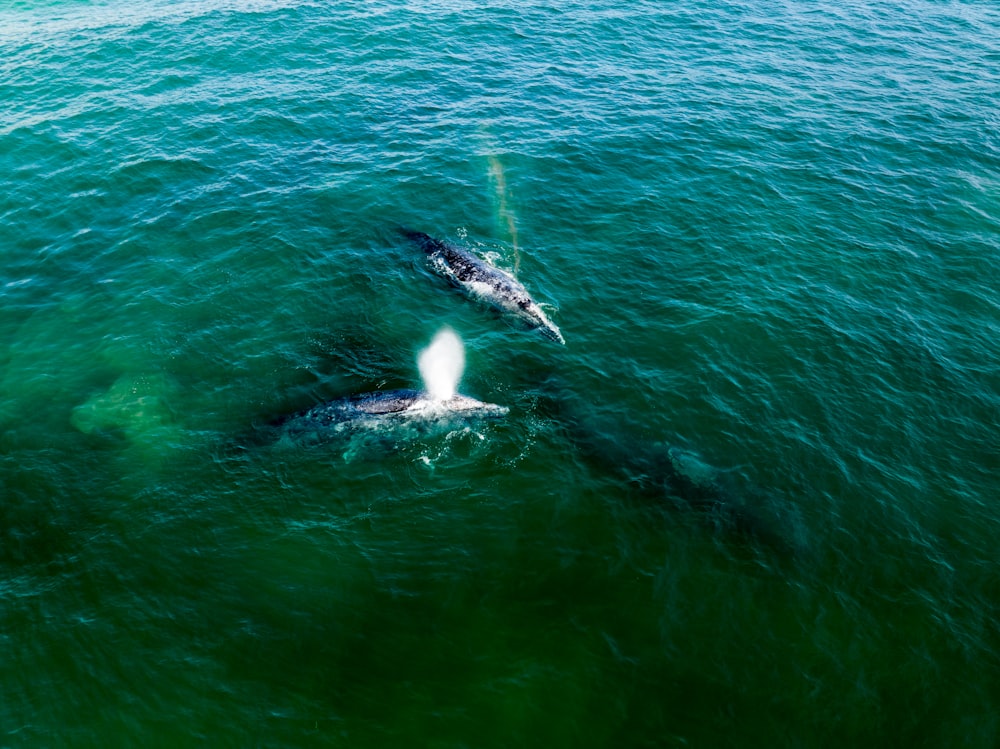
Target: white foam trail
441,364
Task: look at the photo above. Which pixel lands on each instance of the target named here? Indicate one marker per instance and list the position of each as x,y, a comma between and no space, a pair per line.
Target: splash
441,365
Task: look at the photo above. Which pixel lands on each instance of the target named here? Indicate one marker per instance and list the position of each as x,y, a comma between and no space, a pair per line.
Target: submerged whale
484,282
675,478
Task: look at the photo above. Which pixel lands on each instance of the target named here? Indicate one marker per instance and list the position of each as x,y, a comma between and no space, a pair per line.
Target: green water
770,234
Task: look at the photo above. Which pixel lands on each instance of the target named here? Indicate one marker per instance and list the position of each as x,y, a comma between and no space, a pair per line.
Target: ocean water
753,501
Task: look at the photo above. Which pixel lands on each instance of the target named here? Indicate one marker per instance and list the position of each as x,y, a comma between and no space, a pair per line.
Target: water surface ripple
752,501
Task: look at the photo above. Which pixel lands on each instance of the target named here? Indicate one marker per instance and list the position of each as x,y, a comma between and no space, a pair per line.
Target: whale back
389,402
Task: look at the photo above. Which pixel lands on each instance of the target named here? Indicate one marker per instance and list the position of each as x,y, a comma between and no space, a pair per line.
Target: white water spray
441,364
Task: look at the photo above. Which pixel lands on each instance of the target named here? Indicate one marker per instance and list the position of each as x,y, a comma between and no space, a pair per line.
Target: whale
400,413
395,415
484,282
381,409
670,475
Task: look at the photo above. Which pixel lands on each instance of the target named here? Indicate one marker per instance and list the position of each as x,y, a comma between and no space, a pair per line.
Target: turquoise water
770,234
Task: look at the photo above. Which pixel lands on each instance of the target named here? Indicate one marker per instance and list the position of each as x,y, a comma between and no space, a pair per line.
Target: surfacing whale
399,413
383,408
394,415
484,282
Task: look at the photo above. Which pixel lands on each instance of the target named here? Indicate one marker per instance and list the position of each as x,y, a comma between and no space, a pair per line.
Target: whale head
531,313
550,331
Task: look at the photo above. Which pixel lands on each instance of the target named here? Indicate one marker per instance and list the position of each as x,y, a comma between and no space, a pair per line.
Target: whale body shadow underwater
675,479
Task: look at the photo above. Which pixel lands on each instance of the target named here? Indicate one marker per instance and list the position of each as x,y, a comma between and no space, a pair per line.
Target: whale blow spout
441,365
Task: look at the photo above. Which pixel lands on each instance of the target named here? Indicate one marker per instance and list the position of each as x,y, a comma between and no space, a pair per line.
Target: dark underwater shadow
748,521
